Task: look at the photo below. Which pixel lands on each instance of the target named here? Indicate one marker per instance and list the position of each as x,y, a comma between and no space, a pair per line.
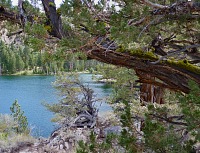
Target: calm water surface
30,91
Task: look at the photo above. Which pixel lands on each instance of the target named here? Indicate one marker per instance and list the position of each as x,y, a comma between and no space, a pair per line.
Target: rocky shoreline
66,138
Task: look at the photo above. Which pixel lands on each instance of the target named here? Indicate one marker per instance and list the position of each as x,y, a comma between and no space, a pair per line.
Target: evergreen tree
19,63
18,115
6,3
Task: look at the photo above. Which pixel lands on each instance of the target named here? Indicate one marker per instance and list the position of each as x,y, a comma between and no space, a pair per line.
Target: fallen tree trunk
166,75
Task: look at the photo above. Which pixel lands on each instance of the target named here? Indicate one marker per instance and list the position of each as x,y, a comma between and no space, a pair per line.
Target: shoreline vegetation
99,79
31,73
54,143
78,138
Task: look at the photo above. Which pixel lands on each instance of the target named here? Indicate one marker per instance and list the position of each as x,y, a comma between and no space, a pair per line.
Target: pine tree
18,115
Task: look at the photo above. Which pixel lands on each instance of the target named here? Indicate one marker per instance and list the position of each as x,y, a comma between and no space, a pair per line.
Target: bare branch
169,119
16,32
154,5
175,52
131,21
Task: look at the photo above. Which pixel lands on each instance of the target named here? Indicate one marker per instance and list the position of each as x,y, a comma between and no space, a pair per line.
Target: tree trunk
151,93
54,19
160,75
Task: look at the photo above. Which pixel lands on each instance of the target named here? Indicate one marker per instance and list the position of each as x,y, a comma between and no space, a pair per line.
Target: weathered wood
166,76
151,93
54,20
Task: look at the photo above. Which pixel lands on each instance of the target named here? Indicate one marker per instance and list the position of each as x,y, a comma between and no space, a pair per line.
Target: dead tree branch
170,119
154,5
175,52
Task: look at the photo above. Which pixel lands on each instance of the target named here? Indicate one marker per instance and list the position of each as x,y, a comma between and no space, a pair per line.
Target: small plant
94,145
18,115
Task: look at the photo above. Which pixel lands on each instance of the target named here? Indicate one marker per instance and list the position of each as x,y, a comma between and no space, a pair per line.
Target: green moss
48,28
141,54
120,49
51,4
58,11
138,53
185,65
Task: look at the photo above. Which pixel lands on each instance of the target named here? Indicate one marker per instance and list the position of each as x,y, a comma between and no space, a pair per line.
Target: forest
23,61
151,51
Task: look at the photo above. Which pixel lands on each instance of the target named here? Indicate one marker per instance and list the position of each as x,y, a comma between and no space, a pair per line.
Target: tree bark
54,19
160,75
151,93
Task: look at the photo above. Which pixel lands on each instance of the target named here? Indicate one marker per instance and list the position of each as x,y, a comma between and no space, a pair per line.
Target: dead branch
175,52
170,119
15,33
135,23
177,9
154,5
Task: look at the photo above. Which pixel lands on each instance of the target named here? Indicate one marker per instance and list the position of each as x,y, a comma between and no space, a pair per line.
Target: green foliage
31,8
15,60
170,127
159,137
127,138
123,88
6,3
95,146
35,43
18,115
163,136
37,30
190,105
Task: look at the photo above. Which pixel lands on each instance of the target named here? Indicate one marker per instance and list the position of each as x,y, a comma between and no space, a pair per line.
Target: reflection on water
30,91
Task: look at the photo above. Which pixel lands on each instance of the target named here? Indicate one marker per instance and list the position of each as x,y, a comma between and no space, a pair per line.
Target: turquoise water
30,91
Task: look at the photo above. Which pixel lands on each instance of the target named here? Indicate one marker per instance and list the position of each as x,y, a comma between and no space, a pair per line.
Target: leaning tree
160,40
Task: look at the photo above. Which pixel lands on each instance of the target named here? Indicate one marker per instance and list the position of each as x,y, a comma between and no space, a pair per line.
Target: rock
113,129
66,145
61,146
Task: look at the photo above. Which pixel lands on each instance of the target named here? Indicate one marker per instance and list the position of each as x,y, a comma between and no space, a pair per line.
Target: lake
30,91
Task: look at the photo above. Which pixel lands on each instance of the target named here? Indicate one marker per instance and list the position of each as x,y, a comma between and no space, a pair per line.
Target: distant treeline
13,60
